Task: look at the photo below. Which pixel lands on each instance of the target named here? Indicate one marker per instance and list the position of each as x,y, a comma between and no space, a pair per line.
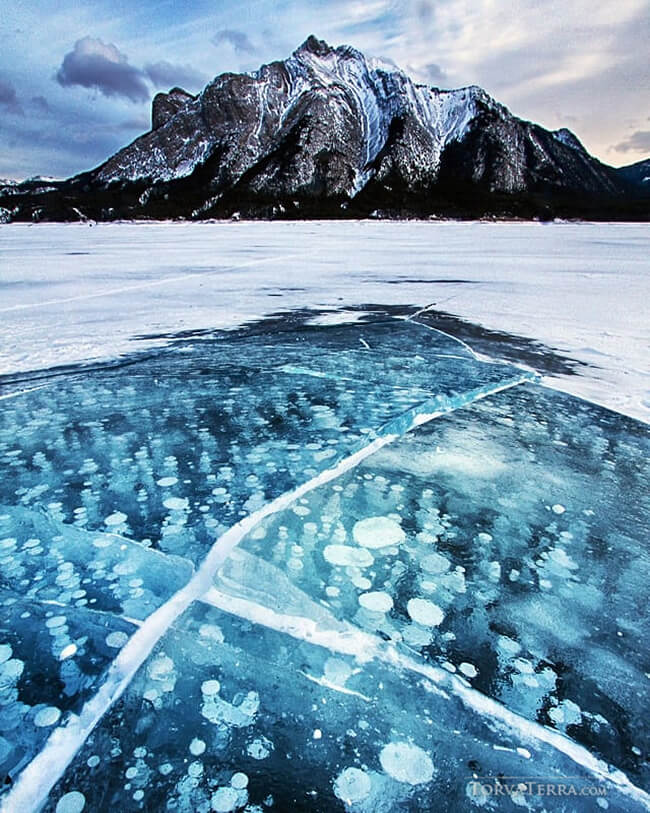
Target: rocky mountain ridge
330,133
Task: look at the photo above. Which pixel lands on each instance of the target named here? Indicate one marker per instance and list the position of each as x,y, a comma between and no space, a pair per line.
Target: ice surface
174,450
50,561
389,739
579,288
250,571
543,610
52,660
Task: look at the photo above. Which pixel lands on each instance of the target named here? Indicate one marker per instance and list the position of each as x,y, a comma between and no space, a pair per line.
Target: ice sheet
228,537
173,450
118,480
52,660
73,292
506,543
225,715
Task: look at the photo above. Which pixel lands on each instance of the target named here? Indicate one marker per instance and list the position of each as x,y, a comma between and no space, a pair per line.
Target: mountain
637,176
330,133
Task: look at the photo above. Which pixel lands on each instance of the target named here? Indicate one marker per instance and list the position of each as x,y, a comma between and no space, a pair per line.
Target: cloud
140,123
238,40
435,73
9,98
165,74
95,64
41,104
639,141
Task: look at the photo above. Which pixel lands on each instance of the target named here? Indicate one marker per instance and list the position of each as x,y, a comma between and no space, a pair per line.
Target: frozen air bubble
67,652
318,734
73,802
210,687
468,670
47,717
115,519
161,667
406,763
55,621
559,555
211,631
425,612
259,748
176,503
566,713
103,542
377,602
346,556
5,652
415,635
239,780
225,800
197,747
558,509
12,669
166,482
116,640
337,671
508,645
524,666
195,769
352,785
378,532
93,761
435,563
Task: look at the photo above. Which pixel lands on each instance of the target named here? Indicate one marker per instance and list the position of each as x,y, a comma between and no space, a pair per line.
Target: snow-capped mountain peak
329,131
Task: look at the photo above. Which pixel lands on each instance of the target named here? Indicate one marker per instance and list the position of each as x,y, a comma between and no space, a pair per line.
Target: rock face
637,176
166,105
329,133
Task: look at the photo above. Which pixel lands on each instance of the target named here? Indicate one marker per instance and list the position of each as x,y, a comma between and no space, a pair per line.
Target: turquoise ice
320,568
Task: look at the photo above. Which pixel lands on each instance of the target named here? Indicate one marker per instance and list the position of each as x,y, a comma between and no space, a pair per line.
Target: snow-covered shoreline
70,293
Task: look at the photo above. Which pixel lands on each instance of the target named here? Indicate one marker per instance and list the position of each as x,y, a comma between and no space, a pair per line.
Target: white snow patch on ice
580,288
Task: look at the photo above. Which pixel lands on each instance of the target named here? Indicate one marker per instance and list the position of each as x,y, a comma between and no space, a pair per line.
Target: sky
77,79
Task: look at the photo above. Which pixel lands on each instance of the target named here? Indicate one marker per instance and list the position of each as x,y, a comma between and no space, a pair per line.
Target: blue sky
76,79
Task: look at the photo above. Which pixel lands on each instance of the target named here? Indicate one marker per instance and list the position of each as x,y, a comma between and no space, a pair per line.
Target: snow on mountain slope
330,133
376,93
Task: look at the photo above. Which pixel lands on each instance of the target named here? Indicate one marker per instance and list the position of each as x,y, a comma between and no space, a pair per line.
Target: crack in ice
151,284
366,647
39,777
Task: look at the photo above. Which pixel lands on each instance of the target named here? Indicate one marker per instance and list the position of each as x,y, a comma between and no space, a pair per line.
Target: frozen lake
74,293
287,521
